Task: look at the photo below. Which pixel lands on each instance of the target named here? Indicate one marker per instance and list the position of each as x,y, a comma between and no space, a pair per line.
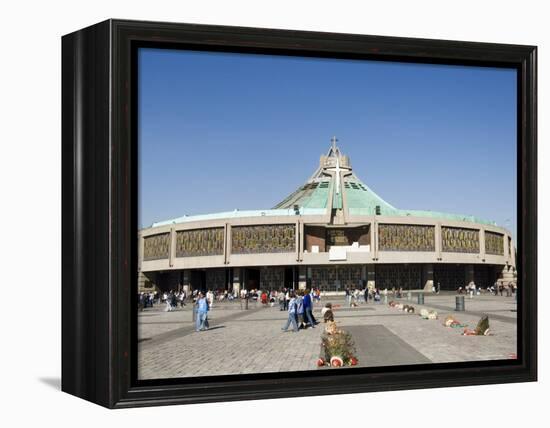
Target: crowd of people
299,305
471,289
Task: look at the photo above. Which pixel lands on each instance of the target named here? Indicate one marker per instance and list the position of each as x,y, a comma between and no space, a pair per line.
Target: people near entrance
181,298
141,301
471,289
348,296
210,298
356,295
317,295
168,300
291,313
202,312
385,294
287,299
282,298
377,296
263,298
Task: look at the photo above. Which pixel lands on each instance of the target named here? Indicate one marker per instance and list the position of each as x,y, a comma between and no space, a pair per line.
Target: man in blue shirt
308,309
202,313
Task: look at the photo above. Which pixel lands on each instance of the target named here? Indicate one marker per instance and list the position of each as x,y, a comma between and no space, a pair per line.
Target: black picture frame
99,213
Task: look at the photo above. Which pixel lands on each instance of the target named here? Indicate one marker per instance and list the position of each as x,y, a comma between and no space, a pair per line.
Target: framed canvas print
253,213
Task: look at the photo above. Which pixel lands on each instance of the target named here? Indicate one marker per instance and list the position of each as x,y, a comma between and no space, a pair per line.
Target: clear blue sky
222,131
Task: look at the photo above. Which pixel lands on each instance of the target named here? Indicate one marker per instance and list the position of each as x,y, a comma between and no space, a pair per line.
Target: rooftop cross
336,170
333,140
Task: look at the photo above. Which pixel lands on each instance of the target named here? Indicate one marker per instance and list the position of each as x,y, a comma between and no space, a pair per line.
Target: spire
333,140
334,151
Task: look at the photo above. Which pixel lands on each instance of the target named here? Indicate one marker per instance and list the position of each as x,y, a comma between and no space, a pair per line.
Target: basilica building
331,233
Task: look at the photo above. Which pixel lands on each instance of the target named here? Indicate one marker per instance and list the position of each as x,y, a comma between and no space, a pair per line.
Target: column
302,278
301,241
236,281
428,276
227,243
187,281
172,254
374,240
482,243
297,240
469,274
141,243
371,275
438,241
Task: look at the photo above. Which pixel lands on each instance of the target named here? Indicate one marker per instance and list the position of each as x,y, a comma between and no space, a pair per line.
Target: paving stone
251,341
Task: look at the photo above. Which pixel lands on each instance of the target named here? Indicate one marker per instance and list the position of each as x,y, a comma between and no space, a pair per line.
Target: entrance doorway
289,278
198,280
251,279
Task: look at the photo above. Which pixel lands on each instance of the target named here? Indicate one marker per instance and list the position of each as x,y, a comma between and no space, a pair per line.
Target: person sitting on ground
328,316
328,307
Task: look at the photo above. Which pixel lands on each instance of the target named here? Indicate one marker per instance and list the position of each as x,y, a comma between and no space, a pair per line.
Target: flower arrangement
338,347
428,315
482,328
452,322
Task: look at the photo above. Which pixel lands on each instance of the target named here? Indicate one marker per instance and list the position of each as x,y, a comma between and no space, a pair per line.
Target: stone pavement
251,341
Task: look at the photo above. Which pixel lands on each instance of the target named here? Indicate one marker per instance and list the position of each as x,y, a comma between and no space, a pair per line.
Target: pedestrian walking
308,309
291,314
348,297
202,313
300,309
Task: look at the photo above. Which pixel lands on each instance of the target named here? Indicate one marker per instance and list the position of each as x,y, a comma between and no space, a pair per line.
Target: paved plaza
251,341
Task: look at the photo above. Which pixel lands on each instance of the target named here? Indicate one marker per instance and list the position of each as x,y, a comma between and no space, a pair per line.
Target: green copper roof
335,173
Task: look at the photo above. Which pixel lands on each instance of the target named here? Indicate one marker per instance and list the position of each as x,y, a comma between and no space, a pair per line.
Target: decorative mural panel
156,247
199,242
494,243
406,237
273,238
332,278
272,278
459,240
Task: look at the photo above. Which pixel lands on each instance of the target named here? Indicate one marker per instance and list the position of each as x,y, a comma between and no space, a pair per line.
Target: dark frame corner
99,210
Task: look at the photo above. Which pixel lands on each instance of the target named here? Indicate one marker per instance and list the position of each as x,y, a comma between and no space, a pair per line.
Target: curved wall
281,241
